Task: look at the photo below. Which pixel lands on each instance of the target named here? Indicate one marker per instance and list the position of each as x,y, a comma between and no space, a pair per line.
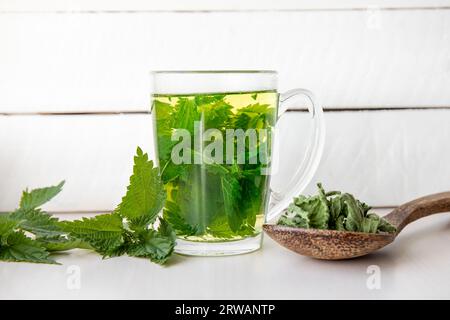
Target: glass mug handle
306,169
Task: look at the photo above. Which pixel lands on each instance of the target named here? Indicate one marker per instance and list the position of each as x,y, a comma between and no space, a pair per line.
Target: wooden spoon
336,245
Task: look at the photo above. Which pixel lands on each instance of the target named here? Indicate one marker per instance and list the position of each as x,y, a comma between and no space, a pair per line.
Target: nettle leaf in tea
214,151
334,211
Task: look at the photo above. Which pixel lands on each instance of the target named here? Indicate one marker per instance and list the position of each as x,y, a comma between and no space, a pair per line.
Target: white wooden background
74,88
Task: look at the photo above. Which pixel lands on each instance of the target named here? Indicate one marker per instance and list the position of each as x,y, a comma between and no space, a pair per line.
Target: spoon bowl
338,245
328,244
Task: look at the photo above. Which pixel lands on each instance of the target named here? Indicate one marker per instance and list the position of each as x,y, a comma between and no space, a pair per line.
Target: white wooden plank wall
100,61
383,74
207,5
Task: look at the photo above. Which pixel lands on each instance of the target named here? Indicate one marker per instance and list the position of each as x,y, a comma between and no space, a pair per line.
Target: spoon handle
419,208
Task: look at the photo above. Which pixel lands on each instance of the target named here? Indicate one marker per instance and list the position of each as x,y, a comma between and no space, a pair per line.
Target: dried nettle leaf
334,211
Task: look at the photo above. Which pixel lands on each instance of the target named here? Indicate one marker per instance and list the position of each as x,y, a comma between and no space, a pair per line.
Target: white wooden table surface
415,266
380,68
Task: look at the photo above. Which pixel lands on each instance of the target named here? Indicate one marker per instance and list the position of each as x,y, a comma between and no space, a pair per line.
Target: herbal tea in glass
214,156
213,136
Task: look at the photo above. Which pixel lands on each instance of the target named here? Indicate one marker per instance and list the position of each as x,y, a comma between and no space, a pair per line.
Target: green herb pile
134,228
333,211
222,199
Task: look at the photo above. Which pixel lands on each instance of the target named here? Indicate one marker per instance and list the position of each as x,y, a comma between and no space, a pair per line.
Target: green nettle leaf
185,114
340,223
37,222
145,195
164,111
164,123
385,226
61,243
14,244
155,245
7,227
199,205
255,116
172,214
208,99
37,197
370,224
317,208
231,195
364,207
165,230
355,213
335,211
336,207
242,120
171,171
130,229
215,199
216,169
294,217
104,232
20,248
251,189
220,228
165,145
217,115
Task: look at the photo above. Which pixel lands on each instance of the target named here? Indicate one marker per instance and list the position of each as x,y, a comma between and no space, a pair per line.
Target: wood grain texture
419,208
94,154
327,244
100,61
384,157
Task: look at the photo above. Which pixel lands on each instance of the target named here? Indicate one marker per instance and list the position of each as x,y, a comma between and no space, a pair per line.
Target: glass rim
154,72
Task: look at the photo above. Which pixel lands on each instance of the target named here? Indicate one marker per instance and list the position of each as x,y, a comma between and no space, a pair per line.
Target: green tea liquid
217,182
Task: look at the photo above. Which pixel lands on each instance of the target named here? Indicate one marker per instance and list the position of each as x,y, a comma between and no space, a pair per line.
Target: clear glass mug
214,135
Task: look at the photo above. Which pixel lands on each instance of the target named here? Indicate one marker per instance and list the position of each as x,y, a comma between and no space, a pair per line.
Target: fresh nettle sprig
135,228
